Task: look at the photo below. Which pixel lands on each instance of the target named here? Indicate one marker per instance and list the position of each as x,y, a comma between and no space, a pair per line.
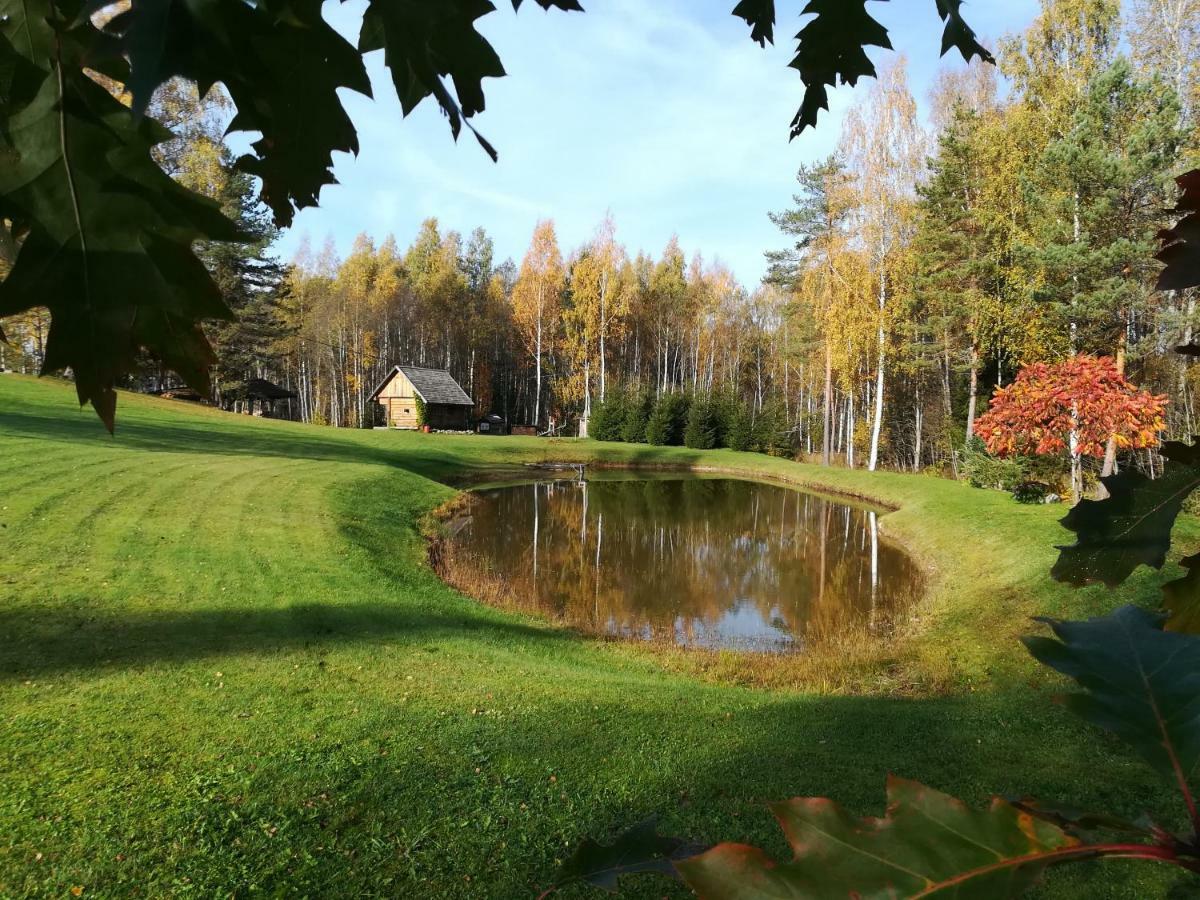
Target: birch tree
599,301
884,146
537,300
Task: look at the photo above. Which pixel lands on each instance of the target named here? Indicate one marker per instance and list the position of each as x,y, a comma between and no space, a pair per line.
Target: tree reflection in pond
702,561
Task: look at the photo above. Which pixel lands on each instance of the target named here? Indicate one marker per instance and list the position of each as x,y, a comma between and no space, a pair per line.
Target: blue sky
662,111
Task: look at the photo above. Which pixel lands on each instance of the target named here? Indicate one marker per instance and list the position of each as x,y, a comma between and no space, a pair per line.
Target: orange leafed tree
1075,406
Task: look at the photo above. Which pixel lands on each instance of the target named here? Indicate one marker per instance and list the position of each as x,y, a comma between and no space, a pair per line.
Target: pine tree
971,288
1096,242
253,285
817,222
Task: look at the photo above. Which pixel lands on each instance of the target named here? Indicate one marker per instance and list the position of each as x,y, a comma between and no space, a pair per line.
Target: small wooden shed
266,394
492,424
447,405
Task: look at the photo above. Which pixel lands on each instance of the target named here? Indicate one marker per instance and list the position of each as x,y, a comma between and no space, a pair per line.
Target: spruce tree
701,430
637,411
816,224
770,431
668,420
608,417
740,435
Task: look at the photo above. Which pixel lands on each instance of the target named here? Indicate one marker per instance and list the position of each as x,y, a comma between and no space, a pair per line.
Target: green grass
226,669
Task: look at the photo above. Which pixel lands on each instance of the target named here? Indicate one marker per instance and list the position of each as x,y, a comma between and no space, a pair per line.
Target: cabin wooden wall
399,402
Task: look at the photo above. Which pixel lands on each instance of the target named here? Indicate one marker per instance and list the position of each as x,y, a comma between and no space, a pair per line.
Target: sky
663,112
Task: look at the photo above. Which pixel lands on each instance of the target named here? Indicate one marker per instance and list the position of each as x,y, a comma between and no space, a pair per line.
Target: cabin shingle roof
434,386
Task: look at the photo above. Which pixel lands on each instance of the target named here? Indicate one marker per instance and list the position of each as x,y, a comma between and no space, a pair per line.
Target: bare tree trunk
800,422
973,390
850,402
587,387
1076,466
666,363
1110,450
827,414
758,371
787,405
877,424
917,430
1184,360
946,399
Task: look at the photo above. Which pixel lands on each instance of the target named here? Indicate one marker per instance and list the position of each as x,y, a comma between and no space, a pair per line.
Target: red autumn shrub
1084,397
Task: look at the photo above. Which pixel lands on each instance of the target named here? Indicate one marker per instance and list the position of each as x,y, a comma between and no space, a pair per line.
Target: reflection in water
711,562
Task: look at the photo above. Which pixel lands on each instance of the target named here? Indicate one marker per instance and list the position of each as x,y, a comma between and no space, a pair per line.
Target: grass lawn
226,669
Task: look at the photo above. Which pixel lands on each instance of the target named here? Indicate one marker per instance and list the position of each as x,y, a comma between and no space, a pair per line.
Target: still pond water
702,561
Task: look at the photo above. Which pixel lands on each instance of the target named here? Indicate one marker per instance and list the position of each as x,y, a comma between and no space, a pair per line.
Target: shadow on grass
73,641
844,748
377,517
212,433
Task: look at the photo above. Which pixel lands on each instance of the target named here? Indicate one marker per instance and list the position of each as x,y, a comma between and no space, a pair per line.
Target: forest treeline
917,269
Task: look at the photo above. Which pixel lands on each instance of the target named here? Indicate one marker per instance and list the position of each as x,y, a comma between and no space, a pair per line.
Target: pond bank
745,572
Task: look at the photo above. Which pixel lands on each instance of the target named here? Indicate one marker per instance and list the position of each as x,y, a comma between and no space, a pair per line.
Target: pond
701,561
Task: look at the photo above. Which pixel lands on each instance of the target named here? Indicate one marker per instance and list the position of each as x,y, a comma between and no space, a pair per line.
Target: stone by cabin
447,405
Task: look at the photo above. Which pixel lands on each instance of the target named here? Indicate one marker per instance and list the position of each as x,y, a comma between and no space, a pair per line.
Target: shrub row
700,422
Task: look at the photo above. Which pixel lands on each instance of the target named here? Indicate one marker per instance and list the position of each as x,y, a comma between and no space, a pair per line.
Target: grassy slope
225,667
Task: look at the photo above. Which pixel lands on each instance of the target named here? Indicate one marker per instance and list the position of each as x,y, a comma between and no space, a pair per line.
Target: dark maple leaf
831,51
638,851
108,235
1180,251
1140,682
1182,597
1132,526
760,16
564,5
928,844
281,64
959,34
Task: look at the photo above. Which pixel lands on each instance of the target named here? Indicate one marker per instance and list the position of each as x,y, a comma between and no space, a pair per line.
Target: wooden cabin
447,405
